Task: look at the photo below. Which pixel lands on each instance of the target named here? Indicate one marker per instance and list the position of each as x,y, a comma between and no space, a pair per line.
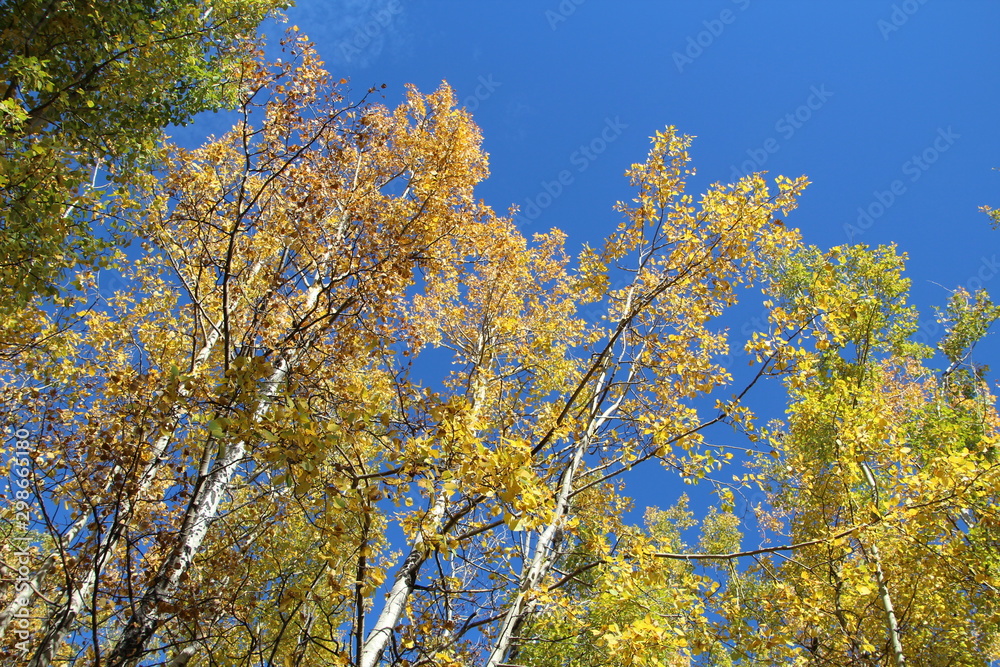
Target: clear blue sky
847,93
889,107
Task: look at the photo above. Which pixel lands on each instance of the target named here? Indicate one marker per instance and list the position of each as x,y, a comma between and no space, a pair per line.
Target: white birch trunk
34,580
544,555
184,656
146,618
62,620
406,578
402,587
892,624
541,564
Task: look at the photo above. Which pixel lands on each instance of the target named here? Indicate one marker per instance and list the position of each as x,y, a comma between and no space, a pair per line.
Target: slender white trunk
35,579
183,656
892,625
402,587
212,486
406,578
542,560
62,620
544,555
146,618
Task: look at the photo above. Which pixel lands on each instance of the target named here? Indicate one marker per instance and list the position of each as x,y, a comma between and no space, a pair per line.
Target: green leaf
215,428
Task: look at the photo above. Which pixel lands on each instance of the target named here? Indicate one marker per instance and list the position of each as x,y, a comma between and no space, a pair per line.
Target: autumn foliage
342,412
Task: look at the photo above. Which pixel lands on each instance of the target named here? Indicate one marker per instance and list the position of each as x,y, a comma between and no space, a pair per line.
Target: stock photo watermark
20,484
369,30
786,126
704,39
901,13
929,329
913,168
580,159
487,86
562,12
989,268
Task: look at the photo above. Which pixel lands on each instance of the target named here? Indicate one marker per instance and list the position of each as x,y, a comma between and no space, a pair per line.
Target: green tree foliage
86,89
893,461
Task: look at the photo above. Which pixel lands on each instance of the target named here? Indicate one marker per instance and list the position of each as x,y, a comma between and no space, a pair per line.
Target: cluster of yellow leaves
875,441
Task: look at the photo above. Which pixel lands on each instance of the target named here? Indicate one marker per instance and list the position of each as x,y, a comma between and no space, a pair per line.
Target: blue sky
889,107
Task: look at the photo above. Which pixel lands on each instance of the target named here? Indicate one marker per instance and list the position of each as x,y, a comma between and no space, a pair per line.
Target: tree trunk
542,560
61,621
146,618
544,556
892,625
209,490
402,587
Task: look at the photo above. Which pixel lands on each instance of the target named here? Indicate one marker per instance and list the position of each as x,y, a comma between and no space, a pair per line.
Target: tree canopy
86,89
253,453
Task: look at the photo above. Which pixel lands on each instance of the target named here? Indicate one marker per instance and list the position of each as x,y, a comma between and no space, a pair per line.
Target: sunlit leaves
87,89
877,440
341,412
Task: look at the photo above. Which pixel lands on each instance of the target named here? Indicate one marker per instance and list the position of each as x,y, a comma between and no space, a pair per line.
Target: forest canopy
251,452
